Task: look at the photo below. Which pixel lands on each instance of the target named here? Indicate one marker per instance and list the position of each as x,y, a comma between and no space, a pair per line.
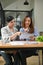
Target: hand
18,33
12,37
32,38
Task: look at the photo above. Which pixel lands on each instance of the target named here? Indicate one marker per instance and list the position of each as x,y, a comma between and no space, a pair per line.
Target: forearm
12,37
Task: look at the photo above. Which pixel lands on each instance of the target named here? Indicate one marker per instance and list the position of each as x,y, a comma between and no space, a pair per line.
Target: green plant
39,38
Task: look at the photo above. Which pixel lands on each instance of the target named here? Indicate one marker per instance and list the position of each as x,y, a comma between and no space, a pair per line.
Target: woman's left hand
32,38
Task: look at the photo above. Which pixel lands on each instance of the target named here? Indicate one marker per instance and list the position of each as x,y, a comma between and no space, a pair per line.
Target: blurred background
19,9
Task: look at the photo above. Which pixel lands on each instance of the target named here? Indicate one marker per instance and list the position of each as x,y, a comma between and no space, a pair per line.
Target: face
11,23
27,22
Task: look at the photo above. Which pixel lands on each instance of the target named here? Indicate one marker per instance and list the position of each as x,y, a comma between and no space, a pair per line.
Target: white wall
38,13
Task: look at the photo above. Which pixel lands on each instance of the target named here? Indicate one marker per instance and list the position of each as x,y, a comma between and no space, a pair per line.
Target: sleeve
21,30
36,33
5,36
21,36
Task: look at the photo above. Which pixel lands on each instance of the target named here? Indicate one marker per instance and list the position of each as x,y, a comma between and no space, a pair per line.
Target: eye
11,22
28,20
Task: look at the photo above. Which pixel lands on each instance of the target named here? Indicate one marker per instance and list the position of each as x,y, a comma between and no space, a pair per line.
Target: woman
28,29
29,32
9,33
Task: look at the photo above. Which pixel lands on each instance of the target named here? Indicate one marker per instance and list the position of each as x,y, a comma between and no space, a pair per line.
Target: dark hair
9,18
31,30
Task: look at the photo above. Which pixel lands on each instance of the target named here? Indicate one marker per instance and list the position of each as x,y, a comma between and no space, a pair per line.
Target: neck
27,27
10,27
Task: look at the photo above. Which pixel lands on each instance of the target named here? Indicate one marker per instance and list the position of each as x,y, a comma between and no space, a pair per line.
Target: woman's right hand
15,35
18,33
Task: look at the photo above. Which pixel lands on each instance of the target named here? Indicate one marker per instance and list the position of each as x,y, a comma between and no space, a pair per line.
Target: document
17,43
22,42
25,35
32,42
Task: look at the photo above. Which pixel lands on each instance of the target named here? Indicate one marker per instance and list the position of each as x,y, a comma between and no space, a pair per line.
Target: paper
32,42
17,43
25,35
22,42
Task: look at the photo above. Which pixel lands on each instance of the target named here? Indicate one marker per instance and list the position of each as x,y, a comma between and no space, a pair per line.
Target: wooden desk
25,45
38,46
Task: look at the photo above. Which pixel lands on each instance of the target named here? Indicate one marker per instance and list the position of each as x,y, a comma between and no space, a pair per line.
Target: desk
38,46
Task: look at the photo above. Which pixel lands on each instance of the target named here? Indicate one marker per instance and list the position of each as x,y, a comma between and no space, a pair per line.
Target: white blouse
6,33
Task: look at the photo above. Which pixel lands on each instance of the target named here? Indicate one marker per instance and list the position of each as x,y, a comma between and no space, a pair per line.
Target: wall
19,5
38,13
6,3
36,4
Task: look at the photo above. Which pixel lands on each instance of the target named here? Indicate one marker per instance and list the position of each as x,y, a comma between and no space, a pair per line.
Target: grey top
6,33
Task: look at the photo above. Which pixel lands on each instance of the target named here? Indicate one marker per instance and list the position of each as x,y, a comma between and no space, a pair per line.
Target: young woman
28,29
9,33
29,32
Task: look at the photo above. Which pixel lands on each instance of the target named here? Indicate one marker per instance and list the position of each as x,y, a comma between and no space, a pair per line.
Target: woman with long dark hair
28,28
29,32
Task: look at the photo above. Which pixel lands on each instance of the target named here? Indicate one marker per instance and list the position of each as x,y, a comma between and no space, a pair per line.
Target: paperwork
22,42
25,35
17,43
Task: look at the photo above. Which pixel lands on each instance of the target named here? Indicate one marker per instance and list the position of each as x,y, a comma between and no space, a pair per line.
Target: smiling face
11,23
27,22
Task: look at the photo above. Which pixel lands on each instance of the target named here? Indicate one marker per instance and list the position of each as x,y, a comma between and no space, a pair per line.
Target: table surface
38,45
32,45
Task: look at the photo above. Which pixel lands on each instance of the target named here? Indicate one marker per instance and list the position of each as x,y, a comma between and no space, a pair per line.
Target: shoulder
21,29
4,28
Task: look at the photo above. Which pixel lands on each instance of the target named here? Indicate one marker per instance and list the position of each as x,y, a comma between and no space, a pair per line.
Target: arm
36,33
4,34
6,37
12,37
